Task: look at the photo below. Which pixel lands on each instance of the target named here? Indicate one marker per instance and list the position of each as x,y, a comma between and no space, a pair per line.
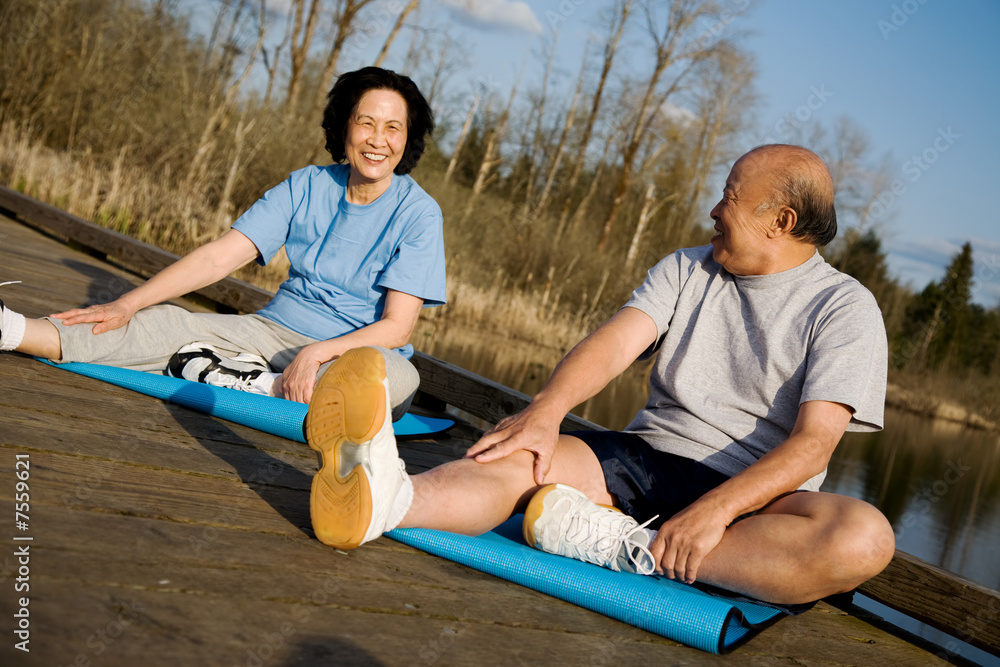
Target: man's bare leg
472,498
800,548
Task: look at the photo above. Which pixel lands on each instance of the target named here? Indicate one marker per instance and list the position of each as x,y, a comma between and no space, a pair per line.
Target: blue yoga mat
656,604
264,413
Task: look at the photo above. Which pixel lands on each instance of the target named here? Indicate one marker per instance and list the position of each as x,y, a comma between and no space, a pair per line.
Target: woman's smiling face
376,137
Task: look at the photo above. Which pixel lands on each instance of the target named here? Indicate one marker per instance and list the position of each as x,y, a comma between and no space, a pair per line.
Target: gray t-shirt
737,355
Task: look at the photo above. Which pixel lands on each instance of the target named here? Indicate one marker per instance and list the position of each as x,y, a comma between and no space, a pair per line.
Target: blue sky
920,77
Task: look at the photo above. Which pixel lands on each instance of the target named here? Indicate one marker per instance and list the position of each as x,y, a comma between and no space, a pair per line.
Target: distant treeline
562,191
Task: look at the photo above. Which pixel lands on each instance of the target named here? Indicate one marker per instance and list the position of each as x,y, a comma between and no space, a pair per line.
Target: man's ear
784,222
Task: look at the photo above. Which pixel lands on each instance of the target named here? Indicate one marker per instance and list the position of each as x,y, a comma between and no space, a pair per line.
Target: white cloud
919,261
496,14
677,114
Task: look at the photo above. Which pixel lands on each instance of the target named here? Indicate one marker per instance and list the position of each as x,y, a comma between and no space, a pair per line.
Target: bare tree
302,37
410,7
445,64
669,50
491,157
857,181
343,24
222,211
584,205
461,139
539,112
617,26
197,168
560,150
649,209
271,63
721,99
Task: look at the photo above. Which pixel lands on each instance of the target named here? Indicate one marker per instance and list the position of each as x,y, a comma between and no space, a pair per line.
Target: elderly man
765,356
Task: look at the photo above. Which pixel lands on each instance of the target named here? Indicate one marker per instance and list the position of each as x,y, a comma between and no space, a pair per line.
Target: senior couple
764,356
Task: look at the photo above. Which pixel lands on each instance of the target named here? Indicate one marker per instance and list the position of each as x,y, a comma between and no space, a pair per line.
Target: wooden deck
161,536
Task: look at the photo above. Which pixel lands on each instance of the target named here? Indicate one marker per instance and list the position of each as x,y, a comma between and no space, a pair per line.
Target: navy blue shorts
646,482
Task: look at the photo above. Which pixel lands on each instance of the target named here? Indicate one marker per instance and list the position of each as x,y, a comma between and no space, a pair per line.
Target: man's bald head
801,181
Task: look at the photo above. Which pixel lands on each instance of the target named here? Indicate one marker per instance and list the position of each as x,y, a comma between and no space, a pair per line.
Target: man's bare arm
595,361
684,541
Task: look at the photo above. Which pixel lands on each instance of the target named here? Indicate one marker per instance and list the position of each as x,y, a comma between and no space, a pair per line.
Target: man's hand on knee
523,431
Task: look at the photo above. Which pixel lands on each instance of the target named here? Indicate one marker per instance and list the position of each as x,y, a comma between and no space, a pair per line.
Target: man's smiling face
741,223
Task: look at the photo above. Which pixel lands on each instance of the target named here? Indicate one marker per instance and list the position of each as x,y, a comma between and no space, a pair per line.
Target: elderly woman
364,241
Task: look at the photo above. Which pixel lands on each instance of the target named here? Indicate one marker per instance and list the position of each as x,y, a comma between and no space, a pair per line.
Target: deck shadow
312,649
273,480
105,285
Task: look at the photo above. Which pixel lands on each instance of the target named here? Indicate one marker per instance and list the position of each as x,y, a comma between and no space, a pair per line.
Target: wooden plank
146,258
490,401
477,395
941,599
90,565
169,628
415,585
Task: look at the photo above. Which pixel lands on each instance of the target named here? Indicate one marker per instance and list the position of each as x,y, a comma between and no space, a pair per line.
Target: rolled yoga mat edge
265,413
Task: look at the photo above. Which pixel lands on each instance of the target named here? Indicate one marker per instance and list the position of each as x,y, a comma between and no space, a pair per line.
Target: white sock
264,384
11,330
401,505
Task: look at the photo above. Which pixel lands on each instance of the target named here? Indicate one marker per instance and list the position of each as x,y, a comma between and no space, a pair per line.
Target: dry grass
529,328
127,200
136,204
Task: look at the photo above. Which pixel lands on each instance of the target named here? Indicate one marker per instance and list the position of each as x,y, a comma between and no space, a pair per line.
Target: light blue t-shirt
344,256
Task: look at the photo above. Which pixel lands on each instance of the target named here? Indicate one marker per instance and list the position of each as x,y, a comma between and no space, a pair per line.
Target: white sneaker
201,362
362,488
562,520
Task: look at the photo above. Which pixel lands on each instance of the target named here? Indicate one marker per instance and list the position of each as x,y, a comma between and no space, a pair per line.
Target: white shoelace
599,537
249,383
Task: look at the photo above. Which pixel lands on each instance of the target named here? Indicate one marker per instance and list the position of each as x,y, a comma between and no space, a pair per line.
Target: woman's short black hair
343,98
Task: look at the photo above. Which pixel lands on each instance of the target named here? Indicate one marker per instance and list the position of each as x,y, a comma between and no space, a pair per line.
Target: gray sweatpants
154,334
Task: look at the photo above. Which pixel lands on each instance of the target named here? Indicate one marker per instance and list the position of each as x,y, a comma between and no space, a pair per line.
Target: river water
938,483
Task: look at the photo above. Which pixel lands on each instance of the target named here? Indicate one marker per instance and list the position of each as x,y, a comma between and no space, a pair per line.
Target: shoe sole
533,511
347,410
